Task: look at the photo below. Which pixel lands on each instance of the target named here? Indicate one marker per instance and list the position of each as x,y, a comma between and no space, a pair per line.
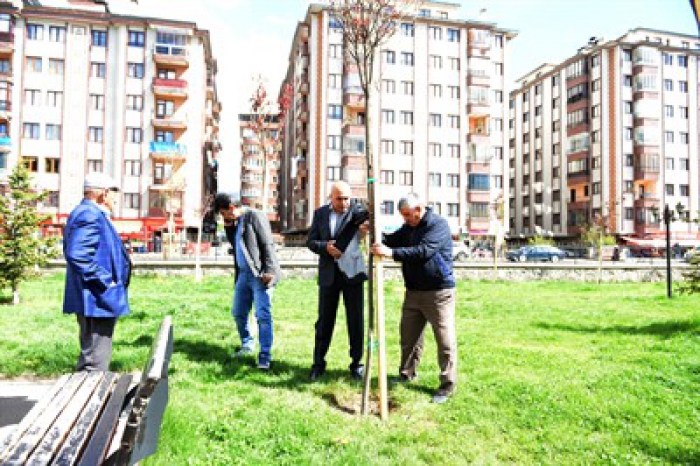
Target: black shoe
316,374
357,373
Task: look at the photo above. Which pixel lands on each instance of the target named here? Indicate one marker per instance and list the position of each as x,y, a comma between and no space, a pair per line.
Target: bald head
340,196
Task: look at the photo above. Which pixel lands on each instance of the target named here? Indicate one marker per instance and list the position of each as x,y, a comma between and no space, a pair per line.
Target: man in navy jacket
423,245
98,270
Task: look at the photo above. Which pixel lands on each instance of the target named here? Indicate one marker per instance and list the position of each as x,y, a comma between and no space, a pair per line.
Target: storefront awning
659,243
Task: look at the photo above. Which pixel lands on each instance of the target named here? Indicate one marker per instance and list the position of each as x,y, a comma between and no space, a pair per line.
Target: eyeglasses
342,198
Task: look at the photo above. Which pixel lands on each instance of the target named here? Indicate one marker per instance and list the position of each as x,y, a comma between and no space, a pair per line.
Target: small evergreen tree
22,249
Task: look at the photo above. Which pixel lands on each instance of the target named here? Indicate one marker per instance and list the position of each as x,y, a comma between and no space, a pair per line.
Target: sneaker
243,351
357,373
441,396
264,365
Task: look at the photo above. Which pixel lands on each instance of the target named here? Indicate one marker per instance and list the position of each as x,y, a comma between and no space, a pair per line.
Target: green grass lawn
550,373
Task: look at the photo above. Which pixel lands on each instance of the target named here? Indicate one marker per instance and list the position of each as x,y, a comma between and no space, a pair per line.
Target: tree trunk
15,294
198,255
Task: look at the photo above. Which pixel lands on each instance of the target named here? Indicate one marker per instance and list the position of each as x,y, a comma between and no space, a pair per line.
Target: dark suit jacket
258,247
320,233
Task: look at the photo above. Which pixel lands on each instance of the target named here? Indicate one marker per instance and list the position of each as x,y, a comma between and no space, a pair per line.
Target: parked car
536,253
461,252
692,254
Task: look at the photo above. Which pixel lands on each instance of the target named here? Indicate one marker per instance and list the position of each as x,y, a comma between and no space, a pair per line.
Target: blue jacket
425,253
98,265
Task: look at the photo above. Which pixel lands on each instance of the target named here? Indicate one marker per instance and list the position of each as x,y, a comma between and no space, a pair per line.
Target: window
98,70
408,29
30,131
164,108
99,38
388,117
498,68
33,64
406,118
684,138
53,132
132,201
684,190
164,136
35,32
389,86
435,32
436,90
683,61
166,74
498,97
335,81
668,85
407,87
136,39
670,190
480,210
452,35
57,34
453,121
453,150
435,149
629,107
387,146
52,165
135,70
387,208
389,57
94,166
97,102
32,97
386,177
555,80
334,142
627,80
435,120
683,86
132,168
498,41
434,179
54,98
56,66
333,173
406,178
407,58
436,62
134,135
134,102
452,181
454,63
452,210
668,111
406,147
668,136
478,182
52,199
31,163
335,50
454,92
683,112
436,206
95,134
335,112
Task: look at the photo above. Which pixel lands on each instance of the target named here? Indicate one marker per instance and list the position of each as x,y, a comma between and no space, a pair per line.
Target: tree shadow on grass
664,329
673,454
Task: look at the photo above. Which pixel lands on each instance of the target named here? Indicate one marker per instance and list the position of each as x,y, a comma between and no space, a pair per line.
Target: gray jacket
258,247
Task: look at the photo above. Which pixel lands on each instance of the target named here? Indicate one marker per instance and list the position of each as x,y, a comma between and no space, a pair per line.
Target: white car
461,252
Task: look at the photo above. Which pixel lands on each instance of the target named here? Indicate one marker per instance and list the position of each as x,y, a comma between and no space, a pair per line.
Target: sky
252,38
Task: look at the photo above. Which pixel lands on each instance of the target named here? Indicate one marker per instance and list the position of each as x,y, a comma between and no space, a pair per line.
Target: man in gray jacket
257,272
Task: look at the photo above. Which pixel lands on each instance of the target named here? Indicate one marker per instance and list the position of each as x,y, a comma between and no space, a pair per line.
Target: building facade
608,136
84,90
260,165
438,124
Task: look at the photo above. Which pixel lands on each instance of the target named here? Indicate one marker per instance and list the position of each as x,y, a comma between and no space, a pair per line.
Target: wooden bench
95,418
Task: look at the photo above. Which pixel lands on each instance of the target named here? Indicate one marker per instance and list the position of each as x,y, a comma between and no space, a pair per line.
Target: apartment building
609,135
260,159
438,122
83,90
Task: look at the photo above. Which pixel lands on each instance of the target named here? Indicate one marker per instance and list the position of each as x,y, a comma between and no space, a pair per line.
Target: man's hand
332,250
364,228
378,249
267,278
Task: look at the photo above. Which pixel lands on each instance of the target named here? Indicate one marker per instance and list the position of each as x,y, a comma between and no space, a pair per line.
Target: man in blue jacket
98,270
423,245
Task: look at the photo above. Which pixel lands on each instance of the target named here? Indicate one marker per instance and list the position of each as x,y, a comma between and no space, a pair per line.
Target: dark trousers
95,343
438,309
328,299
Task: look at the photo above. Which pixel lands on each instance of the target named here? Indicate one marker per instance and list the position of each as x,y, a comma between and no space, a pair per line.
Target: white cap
99,181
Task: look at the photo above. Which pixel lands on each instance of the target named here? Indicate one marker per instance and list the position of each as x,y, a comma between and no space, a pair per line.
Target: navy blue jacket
425,253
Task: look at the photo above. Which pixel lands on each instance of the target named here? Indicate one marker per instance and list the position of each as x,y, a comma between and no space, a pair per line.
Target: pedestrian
98,270
257,271
335,237
423,246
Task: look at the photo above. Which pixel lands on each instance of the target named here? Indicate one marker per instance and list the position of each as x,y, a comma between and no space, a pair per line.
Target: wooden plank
99,442
31,416
159,357
34,434
80,434
59,431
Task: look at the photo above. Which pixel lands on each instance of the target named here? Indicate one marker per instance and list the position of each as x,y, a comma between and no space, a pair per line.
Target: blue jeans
250,290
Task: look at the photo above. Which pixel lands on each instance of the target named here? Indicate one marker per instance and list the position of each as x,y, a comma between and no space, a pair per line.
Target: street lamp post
667,221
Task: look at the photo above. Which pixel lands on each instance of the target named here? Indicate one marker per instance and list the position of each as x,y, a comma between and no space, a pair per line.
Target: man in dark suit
335,236
257,272
98,270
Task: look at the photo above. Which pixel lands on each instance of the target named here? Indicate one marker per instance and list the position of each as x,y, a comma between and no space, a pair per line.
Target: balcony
353,129
171,55
578,205
647,169
170,87
5,144
478,107
354,100
479,136
582,176
478,78
175,122
168,151
7,43
5,110
478,196
646,201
